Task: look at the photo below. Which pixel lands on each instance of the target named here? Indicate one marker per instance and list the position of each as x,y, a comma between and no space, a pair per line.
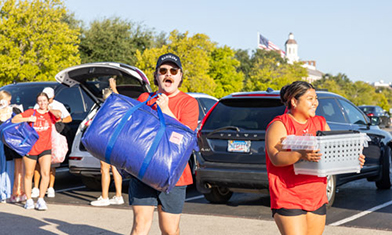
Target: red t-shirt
291,191
43,126
186,110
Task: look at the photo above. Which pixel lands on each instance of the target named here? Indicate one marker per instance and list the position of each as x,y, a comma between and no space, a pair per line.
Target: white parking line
363,213
69,189
194,198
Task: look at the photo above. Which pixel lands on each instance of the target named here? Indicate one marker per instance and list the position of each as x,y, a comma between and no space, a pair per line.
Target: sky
353,37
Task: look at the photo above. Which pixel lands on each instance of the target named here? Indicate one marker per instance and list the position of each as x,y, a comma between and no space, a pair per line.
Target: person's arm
280,157
56,113
19,118
67,119
113,85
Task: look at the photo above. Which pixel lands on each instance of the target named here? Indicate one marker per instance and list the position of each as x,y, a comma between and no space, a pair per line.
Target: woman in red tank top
298,202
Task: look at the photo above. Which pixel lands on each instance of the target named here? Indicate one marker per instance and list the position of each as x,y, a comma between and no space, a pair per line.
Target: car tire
92,183
218,195
385,181
331,189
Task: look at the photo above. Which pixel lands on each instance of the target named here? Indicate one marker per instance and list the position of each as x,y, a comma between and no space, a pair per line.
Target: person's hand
361,160
112,84
311,155
32,119
163,102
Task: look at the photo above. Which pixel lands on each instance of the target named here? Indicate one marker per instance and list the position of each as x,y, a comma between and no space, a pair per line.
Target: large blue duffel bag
146,143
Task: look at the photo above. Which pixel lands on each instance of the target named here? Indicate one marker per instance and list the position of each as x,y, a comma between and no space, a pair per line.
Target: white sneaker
29,204
116,200
41,205
50,192
100,202
34,192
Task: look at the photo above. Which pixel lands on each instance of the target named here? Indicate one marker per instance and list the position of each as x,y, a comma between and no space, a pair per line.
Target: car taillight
205,118
76,158
370,114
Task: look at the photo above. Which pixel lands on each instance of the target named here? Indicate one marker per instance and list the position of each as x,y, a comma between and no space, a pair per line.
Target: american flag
265,44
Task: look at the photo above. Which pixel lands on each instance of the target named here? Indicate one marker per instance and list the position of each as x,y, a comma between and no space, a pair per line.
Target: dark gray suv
241,119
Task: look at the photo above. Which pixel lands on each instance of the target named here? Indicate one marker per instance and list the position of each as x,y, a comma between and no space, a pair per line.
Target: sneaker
23,198
50,192
14,199
41,205
34,192
101,202
29,204
116,200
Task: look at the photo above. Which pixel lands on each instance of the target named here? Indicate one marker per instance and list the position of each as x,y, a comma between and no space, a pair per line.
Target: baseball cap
48,91
169,57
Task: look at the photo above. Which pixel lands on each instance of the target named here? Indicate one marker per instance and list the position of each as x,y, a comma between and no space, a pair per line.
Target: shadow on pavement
17,224
78,228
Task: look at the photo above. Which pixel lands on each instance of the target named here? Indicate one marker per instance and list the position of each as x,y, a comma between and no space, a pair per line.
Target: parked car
205,104
75,99
245,116
93,78
376,112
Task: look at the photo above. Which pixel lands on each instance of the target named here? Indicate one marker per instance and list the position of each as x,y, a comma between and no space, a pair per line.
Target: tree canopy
269,69
35,40
205,66
115,40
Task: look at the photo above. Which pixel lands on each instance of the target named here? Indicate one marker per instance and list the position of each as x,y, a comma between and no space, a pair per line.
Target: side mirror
374,121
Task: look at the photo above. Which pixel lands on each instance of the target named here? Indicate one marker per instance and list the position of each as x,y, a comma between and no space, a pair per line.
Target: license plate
238,146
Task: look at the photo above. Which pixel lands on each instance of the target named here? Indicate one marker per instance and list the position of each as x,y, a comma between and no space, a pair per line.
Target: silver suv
93,78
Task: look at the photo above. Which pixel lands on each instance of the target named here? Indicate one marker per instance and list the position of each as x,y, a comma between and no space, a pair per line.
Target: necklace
297,120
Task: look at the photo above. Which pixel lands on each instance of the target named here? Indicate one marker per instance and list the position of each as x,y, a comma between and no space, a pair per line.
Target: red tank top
291,191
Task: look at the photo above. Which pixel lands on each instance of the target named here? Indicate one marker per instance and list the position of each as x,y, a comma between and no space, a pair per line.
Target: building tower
291,49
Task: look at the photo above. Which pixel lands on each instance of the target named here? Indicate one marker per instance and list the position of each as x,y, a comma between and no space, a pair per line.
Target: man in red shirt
175,103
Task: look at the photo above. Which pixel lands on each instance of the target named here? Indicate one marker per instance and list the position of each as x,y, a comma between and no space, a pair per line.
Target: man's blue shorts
141,194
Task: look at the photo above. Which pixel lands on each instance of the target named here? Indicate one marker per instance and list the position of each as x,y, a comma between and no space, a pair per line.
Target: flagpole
258,39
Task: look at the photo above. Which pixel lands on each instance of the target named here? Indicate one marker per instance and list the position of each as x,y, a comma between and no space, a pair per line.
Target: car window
201,110
126,85
72,97
23,94
330,110
352,113
207,103
250,114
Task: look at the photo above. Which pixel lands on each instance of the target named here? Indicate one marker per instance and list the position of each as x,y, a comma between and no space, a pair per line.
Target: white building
382,84
291,47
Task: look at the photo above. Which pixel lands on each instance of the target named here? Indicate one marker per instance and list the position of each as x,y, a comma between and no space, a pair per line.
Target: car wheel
92,182
331,189
218,195
385,181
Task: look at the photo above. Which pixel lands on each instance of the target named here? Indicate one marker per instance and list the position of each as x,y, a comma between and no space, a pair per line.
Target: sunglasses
163,71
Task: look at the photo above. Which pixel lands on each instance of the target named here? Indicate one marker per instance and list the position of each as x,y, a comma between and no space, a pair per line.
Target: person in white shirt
65,118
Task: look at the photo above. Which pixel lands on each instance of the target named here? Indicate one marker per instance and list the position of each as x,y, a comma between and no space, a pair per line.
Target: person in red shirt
298,202
177,104
41,119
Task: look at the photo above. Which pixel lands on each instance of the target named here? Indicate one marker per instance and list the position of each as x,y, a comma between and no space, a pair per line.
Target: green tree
223,69
194,53
35,40
115,40
269,69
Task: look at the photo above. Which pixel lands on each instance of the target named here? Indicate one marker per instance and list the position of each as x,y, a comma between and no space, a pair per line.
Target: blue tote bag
146,143
19,137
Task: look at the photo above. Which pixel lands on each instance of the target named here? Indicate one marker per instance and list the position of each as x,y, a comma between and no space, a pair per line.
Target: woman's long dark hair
294,90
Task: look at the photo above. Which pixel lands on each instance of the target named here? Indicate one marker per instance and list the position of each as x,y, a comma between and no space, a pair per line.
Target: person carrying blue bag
177,104
41,119
7,155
